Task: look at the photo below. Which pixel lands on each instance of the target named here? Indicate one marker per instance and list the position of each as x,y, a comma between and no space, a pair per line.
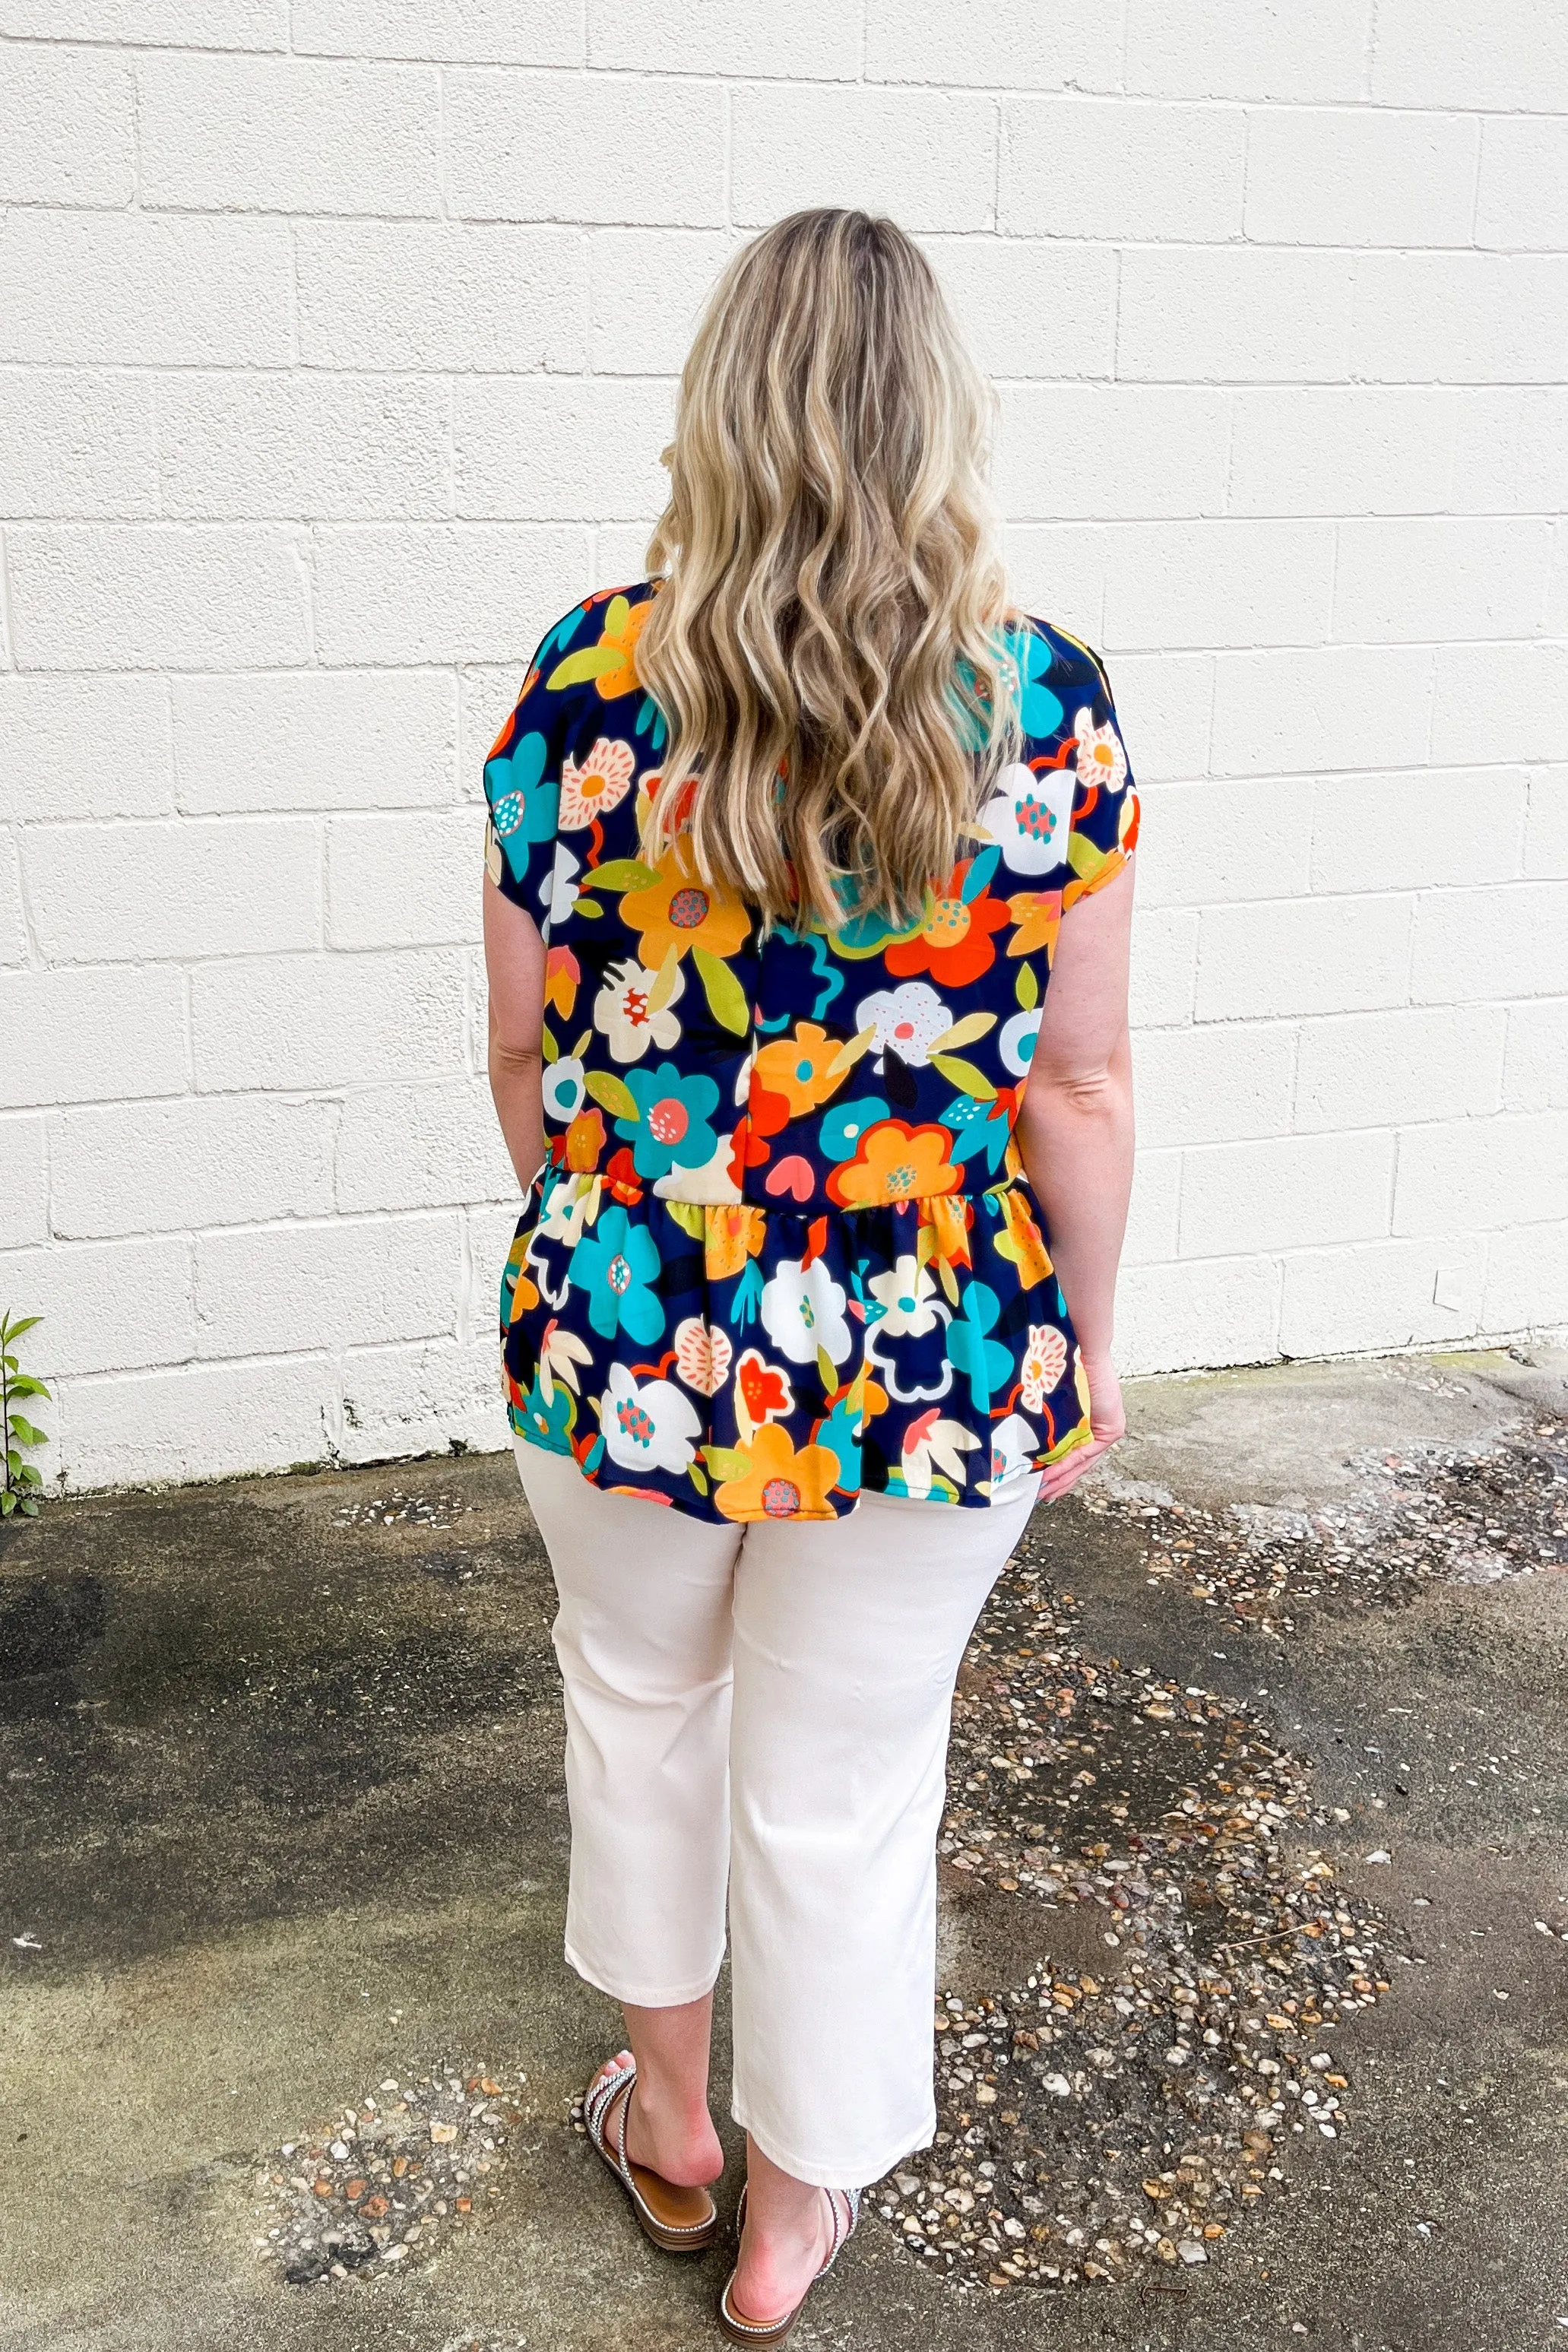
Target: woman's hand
1107,1422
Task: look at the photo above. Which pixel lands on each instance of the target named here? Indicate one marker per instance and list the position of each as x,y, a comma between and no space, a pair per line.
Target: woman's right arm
515,965
1075,1131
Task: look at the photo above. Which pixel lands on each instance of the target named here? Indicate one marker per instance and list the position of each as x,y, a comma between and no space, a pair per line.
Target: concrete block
1232,583
927,156
1360,176
813,40
258,448
155,595
1510,449
13,928
1441,577
1234,313
1214,1085
423,1147
24,1182
573,147
1100,452
419,1399
1171,1318
312,739
1400,833
1119,169
76,444
1203,843
1504,1171
412,592
1285,1191
1546,832
1165,703
144,289
1247,49
107,1305
529,448
175,886
404,881
287,134
198,1421
1154,1217
1296,711
491,1229
300,1022
194,1161
1459,318
1384,1069
1523,198
84,746
1521,688
1527,1279
1031,307
486,694
1535,1068
1165,966
269,1289
1490,943
201,24
1311,955
648,288
620,553
89,1036
447,32
993,45
1382,1295
1444,53
442,295
1343,449
1057,572
70,126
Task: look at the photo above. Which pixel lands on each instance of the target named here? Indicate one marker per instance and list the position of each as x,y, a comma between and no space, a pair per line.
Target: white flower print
564,1088
703,1355
1101,758
906,1295
910,1019
711,1183
571,1206
931,1444
1045,1360
1016,1043
1012,1442
647,1428
592,791
1030,816
803,1309
620,1010
560,892
560,1352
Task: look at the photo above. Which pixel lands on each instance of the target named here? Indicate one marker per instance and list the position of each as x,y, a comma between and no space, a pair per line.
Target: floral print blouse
782,1249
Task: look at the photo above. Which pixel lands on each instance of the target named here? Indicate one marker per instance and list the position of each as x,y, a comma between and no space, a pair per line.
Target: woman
786,845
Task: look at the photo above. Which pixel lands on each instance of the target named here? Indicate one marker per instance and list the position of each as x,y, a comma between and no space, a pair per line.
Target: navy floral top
782,1248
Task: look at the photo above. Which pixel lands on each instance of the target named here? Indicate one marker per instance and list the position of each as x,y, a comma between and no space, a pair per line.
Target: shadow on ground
282,1868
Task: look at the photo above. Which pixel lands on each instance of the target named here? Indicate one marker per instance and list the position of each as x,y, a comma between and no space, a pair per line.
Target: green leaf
725,1462
725,997
964,1075
619,874
7,1502
28,1477
614,1093
23,1431
15,1330
28,1507
1027,988
25,1385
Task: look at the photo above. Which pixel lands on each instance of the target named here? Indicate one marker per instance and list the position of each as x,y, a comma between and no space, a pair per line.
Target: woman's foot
664,2134
789,2234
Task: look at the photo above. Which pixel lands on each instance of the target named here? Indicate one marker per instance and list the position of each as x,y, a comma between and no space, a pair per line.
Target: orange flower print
1023,1243
1038,914
584,1142
800,1069
680,911
562,975
733,1235
762,1394
953,941
601,783
1099,758
1045,1360
896,1162
622,1177
623,625
781,1484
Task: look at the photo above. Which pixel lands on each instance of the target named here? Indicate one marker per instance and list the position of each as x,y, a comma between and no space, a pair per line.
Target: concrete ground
284,1817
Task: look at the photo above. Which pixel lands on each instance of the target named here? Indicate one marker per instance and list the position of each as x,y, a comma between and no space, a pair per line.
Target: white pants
769,1706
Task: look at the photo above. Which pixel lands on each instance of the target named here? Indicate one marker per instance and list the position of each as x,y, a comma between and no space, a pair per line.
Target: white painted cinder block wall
337,344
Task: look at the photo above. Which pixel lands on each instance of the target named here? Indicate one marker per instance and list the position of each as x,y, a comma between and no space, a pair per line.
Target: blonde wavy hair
827,645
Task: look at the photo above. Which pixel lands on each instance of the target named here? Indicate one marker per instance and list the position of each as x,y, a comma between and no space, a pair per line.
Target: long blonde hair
835,599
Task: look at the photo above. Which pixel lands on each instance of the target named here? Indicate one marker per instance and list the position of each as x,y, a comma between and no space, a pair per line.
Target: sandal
763,2335
681,2220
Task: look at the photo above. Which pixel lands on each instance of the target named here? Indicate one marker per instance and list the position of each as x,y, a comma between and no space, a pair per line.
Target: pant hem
643,1996
839,2173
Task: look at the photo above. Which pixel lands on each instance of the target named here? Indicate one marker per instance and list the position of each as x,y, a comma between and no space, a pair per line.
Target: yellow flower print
732,1235
1038,914
1023,1242
801,1068
680,911
781,1482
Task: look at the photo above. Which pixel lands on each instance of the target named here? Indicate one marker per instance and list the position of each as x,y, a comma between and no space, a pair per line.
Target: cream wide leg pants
768,1706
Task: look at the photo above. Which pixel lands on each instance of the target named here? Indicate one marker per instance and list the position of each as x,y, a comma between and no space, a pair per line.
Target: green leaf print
589,661
619,874
964,1074
726,996
1027,987
614,1093
725,1462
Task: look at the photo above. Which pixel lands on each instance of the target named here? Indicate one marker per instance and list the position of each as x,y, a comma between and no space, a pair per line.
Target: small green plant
16,1489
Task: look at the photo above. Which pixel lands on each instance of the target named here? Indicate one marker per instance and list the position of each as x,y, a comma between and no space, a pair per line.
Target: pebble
398,1509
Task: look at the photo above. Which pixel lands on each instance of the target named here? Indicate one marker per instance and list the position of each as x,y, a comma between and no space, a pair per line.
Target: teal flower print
985,1363
616,1264
844,1125
1039,713
524,801
672,1128
551,1425
978,1128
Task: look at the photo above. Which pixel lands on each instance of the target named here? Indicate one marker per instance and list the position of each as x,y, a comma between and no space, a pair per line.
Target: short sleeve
1104,830
522,788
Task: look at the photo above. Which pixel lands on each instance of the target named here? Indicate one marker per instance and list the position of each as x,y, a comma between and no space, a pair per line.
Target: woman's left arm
1075,1131
515,965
